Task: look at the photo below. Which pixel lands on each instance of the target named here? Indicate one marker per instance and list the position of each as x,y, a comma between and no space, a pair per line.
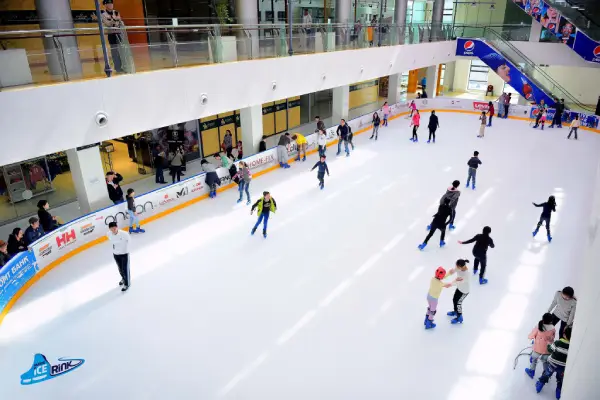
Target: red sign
481,105
66,238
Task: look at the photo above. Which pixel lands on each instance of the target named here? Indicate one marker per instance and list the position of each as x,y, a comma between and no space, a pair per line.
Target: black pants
573,130
557,119
542,220
563,325
414,136
434,227
506,107
113,40
457,300
122,261
321,178
432,133
452,216
228,151
480,259
160,176
176,172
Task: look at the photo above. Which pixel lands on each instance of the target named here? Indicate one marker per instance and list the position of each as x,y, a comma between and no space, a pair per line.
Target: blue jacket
31,235
322,167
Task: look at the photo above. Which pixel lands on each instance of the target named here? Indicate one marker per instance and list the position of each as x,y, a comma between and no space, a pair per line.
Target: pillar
449,76
341,103
536,31
343,9
56,14
394,89
88,178
251,122
246,13
400,18
432,81
437,16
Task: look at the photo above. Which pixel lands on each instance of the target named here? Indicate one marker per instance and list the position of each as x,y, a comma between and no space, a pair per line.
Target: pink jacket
541,340
386,110
412,106
416,119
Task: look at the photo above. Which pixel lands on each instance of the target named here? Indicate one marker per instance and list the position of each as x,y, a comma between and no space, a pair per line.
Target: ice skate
429,141
422,246
297,158
348,154
265,233
451,313
426,318
131,230
452,227
457,320
549,239
558,393
535,232
239,201
286,165
428,227
253,231
371,137
530,373
338,153
539,386
475,270
248,203
483,281
442,243
473,187
140,230
322,186
304,158
429,324
467,186
281,165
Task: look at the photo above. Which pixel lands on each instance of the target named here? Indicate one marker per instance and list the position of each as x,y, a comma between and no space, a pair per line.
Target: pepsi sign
469,46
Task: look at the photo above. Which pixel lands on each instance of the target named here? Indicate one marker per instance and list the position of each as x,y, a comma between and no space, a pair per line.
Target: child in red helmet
435,290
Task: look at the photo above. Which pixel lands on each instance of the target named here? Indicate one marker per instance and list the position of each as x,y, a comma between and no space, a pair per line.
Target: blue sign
587,120
42,370
504,68
13,276
587,48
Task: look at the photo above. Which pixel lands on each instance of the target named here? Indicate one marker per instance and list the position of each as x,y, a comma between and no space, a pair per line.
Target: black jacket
46,220
442,217
4,258
474,162
376,121
115,193
262,146
547,209
15,246
482,242
434,123
342,131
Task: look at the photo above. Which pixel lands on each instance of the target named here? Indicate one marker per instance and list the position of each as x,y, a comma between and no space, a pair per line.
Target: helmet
440,273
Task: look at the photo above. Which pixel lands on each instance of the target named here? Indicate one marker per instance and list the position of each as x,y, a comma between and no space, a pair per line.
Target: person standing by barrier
265,206
321,142
562,308
342,133
386,113
119,240
434,123
262,146
115,193
320,124
491,112
133,215
415,122
376,122
212,179
111,19
282,150
243,176
159,164
501,105
574,126
560,109
176,160
300,145
322,165
507,100
16,242
473,163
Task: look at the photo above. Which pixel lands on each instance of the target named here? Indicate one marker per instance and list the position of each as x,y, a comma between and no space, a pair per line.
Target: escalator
568,25
517,70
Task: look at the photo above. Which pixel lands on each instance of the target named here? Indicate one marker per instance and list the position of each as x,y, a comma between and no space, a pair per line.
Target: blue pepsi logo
42,370
469,45
597,51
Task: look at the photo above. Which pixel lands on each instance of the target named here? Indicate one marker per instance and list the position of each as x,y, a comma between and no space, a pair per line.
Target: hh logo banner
15,274
65,238
42,370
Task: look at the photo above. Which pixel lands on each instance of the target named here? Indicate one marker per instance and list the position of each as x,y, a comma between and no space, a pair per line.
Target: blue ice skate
530,373
140,230
451,313
467,185
452,227
239,201
422,246
265,233
549,239
429,324
539,386
428,227
473,186
475,271
483,281
557,393
535,232
457,320
248,203
253,231
442,243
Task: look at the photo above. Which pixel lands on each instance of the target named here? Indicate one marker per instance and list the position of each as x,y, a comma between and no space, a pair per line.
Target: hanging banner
587,120
587,48
542,12
504,68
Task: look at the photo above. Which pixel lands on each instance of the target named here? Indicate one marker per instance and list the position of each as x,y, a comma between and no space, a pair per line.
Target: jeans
345,146
549,371
506,108
481,259
264,218
472,175
490,120
375,130
435,227
573,130
244,186
500,110
133,219
160,177
322,149
176,172
457,300
122,261
385,119
113,40
542,220
321,178
537,356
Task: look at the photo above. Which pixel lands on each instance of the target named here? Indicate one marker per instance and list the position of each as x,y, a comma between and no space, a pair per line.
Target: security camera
274,85
101,119
203,99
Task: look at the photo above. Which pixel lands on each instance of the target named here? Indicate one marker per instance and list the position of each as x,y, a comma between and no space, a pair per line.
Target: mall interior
183,73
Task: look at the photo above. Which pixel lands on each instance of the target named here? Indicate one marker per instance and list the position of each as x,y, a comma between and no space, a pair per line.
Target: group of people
174,160
415,123
20,240
542,116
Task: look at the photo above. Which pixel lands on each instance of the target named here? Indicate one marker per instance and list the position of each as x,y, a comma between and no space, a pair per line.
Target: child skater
482,242
547,209
265,205
435,290
483,120
473,163
462,283
415,122
542,336
557,362
322,165
376,123
440,220
386,113
134,218
322,142
413,107
453,194
575,124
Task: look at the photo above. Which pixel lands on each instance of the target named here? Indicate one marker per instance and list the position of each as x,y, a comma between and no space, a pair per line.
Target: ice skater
413,107
435,290
350,137
491,111
283,147
342,133
376,122
301,144
542,335
119,240
547,209
243,177
386,113
483,120
463,287
434,123
482,242
559,351
415,122
473,163
322,165
575,124
134,218
264,206
440,220
322,142
453,194
211,179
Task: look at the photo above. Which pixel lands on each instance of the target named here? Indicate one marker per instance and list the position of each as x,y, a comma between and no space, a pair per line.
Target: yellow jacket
300,139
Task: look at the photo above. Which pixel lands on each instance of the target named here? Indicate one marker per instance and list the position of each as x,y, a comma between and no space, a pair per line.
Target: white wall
552,54
461,73
583,83
43,120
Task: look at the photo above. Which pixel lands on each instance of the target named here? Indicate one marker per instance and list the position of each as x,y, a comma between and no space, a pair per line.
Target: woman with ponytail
462,289
542,335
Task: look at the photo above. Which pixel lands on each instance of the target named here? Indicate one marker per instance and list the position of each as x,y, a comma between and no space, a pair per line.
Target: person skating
482,242
473,163
211,179
342,133
507,100
453,194
243,178
575,124
264,206
322,142
560,109
463,287
547,209
376,122
483,120
386,113
440,220
538,118
119,240
412,107
434,123
282,150
133,215
322,165
415,122
557,362
301,144
491,111
542,335
563,307
435,290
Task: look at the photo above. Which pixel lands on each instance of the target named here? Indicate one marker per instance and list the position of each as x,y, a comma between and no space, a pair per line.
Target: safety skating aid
457,320
483,281
442,243
534,233
451,313
429,324
539,386
530,373
422,246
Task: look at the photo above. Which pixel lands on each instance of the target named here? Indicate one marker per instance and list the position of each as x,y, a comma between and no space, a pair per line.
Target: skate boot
348,154
248,203
429,141
549,239
426,318
457,320
475,271
429,324
304,158
371,137
467,186
422,246
265,233
322,186
253,230
434,141
281,165
140,230
558,393
539,386
297,158
131,230
338,153
239,201
286,165
428,227
442,243
535,232
452,227
416,140
451,313
530,373
473,186
483,281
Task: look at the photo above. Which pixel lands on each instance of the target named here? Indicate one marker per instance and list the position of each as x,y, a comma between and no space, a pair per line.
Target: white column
341,103
246,13
432,80
88,178
394,89
400,18
536,31
251,123
449,76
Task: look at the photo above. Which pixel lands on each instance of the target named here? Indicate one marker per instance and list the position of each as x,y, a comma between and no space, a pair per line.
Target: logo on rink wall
183,192
198,185
142,208
87,229
481,106
42,370
66,238
45,250
14,275
166,200
115,218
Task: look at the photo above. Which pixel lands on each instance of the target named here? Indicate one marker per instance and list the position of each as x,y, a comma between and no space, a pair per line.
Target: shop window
478,76
442,74
281,116
213,130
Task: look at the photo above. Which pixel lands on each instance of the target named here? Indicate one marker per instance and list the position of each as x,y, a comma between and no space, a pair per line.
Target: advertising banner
542,12
587,48
504,68
587,120
15,274
566,32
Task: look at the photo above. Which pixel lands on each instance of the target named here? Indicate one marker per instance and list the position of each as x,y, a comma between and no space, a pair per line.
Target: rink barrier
78,235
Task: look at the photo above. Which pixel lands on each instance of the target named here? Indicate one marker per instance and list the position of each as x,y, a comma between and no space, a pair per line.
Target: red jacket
492,110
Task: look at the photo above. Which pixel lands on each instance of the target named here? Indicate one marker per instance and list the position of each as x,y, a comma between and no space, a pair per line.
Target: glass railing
538,75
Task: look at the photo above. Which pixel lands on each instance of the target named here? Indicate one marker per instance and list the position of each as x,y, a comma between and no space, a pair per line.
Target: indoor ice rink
331,304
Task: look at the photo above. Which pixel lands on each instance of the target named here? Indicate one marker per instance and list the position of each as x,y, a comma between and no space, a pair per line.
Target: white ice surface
331,305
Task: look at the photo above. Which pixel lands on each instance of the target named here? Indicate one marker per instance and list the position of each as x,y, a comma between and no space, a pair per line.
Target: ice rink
331,305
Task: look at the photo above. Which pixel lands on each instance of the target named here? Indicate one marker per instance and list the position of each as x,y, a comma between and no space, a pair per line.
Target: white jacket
321,139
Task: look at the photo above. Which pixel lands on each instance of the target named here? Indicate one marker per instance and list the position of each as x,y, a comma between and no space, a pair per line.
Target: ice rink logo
42,370
469,46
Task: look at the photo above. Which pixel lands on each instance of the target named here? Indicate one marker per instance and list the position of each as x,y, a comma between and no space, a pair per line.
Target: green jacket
260,204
